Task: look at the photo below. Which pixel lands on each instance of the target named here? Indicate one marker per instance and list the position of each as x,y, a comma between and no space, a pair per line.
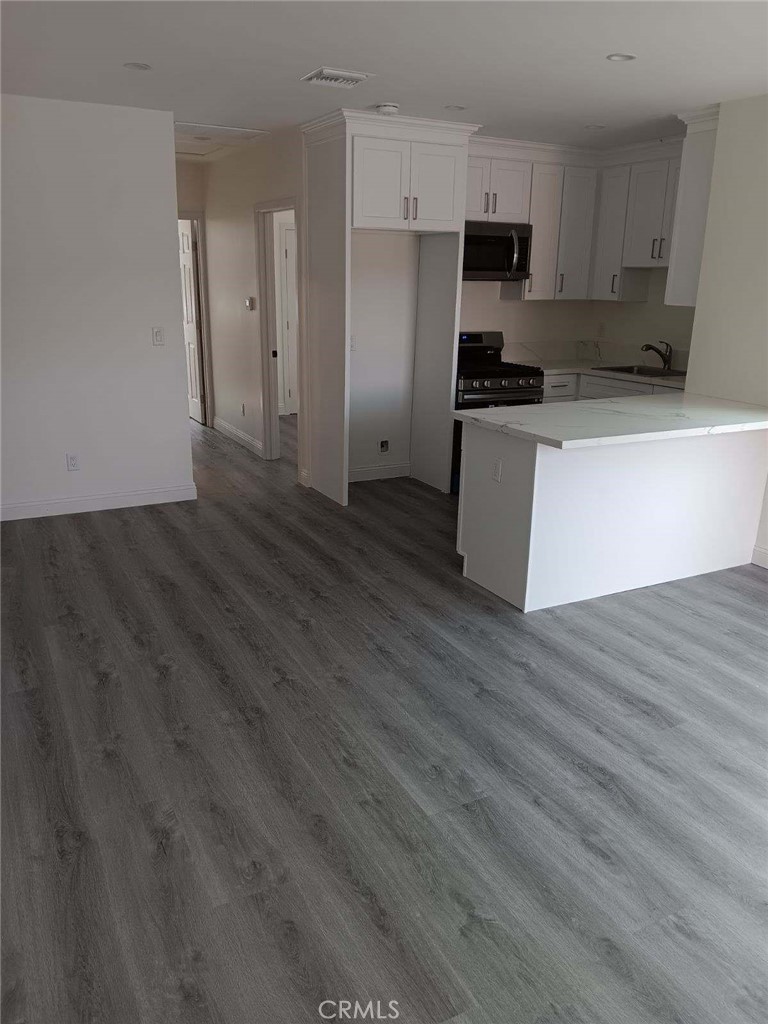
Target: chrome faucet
666,355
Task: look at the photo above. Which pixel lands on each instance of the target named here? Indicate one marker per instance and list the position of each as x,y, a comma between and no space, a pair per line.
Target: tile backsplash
600,331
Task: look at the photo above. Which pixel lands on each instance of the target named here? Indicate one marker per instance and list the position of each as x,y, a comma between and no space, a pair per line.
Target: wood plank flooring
260,751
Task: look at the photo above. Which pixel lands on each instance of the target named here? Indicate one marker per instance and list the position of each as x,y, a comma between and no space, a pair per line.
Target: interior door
438,187
290,318
576,222
546,199
478,188
645,212
381,178
191,321
510,191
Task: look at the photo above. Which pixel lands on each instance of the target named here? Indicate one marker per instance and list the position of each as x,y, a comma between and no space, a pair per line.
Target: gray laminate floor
260,751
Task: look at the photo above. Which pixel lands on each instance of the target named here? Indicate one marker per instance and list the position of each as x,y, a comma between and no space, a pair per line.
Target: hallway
260,751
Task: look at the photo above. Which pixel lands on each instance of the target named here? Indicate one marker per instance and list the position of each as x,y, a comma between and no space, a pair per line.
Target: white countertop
554,368
607,421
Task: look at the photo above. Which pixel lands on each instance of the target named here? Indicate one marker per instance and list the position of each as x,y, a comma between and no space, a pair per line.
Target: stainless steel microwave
496,252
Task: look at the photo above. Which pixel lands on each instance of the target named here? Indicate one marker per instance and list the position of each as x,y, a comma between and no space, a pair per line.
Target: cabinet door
510,191
577,219
438,187
606,277
381,177
670,201
546,199
478,188
645,213
604,387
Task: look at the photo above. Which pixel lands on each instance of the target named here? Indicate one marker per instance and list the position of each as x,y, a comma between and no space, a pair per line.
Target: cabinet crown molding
704,119
368,119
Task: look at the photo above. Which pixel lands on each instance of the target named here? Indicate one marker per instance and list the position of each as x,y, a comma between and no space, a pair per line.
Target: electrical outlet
242,409
158,338
73,462
383,447
496,472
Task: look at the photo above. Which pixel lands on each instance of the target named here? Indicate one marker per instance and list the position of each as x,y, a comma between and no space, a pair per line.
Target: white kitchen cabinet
438,186
561,385
576,224
498,190
510,199
407,186
668,219
478,187
381,184
546,202
606,387
650,212
610,281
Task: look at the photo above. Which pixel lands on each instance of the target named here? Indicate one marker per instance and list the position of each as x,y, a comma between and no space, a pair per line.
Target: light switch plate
158,337
496,473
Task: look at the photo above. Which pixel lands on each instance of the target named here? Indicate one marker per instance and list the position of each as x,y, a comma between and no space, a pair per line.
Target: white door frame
197,218
265,262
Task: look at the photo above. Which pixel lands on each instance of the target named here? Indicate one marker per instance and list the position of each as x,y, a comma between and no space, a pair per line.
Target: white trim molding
702,120
97,502
234,434
380,472
760,557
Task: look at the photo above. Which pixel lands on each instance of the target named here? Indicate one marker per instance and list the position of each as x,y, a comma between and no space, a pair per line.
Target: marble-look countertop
605,421
553,368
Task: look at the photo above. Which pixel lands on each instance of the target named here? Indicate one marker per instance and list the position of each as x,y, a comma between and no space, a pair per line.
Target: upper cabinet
576,223
546,201
650,213
499,190
407,186
609,241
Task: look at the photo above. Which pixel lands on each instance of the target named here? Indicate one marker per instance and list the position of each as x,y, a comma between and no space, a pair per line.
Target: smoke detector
387,108
335,77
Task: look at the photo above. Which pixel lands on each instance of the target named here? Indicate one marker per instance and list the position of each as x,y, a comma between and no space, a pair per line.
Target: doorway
286,330
194,317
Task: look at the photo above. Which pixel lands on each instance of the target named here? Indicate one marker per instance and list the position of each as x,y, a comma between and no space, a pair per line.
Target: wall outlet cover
73,463
158,338
383,447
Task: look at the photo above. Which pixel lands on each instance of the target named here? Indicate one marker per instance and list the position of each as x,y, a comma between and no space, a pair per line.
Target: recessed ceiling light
136,66
595,127
621,56
453,106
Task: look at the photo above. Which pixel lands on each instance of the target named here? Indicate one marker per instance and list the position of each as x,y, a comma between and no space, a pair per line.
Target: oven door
496,252
467,400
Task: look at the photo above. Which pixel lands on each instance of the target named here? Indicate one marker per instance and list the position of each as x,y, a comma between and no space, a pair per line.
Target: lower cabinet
561,387
605,387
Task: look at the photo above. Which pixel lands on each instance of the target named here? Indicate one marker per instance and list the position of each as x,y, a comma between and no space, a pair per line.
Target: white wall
385,267
550,325
265,170
190,185
90,266
729,349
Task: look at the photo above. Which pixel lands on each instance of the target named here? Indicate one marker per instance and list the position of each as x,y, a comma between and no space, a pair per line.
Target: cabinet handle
553,386
562,279
653,249
494,203
661,242
415,207
405,207
613,284
485,203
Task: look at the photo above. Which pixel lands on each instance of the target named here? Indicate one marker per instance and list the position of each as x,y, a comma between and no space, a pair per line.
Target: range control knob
487,384
522,382
505,383
475,383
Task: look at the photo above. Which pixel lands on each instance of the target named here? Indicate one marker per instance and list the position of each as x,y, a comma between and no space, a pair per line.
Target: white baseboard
96,502
238,435
760,557
379,472
304,477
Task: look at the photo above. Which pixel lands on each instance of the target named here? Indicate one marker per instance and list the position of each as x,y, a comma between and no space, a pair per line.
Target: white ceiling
524,70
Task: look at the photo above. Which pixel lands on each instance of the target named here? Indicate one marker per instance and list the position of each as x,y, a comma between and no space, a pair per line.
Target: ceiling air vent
339,79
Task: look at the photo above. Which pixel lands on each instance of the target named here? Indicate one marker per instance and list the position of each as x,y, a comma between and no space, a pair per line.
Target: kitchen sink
643,371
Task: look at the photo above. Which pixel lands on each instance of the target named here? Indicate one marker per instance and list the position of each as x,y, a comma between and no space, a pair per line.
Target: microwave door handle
516,257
